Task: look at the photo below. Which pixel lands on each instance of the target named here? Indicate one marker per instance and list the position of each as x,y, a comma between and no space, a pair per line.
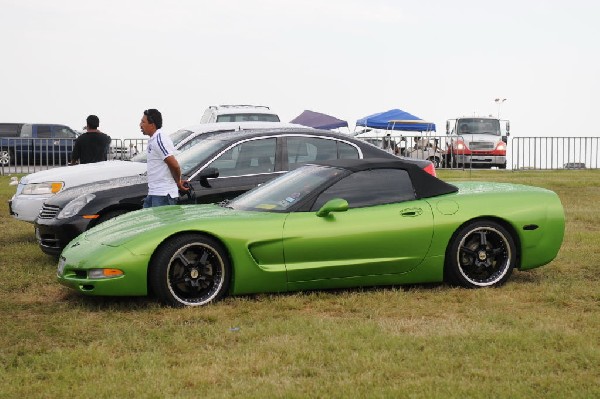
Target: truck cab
477,142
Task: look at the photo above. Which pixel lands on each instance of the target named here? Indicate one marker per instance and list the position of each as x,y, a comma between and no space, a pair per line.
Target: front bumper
53,235
75,263
26,207
491,160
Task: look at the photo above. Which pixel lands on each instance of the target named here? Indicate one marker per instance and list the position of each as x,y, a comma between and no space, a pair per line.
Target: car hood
150,224
81,174
66,196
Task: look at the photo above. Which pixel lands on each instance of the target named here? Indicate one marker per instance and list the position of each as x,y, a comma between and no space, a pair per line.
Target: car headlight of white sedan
45,188
73,207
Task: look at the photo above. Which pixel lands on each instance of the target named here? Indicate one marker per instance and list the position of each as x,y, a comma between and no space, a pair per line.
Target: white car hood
80,174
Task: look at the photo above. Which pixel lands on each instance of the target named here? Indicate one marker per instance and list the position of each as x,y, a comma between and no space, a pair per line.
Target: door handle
411,212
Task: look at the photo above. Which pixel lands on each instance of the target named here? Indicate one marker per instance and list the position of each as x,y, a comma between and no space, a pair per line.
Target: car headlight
73,207
50,187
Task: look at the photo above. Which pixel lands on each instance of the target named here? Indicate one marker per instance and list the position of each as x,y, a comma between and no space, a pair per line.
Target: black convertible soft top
425,185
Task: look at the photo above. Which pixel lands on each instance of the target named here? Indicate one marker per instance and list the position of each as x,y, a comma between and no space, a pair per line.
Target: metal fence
18,155
524,153
554,153
125,149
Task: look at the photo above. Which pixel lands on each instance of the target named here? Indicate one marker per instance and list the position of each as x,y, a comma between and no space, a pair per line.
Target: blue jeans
159,200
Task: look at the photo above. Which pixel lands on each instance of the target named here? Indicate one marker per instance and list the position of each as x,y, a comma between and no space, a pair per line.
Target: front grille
49,212
481,145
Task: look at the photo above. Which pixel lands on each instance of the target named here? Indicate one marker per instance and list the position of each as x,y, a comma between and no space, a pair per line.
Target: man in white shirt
164,173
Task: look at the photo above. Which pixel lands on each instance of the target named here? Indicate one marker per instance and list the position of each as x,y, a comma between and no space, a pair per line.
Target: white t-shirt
160,180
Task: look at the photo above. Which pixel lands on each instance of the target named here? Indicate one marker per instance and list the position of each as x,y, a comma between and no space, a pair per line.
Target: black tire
480,254
6,157
190,270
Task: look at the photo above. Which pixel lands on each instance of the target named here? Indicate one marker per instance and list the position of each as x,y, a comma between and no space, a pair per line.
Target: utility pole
499,101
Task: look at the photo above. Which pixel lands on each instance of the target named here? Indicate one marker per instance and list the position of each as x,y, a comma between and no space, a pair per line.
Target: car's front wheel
190,270
480,254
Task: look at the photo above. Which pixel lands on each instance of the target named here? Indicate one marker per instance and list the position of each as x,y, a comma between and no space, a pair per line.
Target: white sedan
37,187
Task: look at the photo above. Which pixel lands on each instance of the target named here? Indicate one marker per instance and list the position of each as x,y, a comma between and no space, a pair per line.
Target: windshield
190,159
179,135
281,193
478,126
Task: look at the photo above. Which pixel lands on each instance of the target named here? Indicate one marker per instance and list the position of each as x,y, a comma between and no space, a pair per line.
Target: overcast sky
64,59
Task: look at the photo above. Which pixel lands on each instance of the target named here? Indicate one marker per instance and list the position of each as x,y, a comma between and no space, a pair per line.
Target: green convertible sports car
334,224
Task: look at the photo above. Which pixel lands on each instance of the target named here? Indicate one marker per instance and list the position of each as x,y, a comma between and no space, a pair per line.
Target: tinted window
10,129
302,150
371,187
43,131
249,157
347,151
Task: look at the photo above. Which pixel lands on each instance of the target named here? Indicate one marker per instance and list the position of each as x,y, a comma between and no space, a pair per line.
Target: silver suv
239,113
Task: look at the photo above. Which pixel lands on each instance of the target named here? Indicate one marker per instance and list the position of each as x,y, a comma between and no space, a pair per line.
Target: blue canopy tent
396,119
318,120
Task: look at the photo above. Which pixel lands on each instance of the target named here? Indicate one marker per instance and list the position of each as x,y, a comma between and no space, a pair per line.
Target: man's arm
173,165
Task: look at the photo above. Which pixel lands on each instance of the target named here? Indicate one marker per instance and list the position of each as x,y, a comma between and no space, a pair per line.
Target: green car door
384,231
384,239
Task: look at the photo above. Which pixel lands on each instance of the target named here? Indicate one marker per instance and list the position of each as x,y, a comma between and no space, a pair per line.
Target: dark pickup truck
35,143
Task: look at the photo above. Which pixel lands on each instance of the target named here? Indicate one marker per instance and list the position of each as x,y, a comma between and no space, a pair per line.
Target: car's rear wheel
190,270
481,254
5,157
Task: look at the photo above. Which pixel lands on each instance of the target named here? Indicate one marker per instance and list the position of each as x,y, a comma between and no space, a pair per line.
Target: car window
302,150
370,187
64,132
249,157
43,131
10,129
27,130
347,151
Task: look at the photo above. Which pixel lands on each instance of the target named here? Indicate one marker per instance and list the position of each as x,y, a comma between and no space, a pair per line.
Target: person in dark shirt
91,146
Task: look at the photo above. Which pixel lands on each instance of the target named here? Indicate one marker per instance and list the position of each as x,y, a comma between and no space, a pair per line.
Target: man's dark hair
92,122
154,116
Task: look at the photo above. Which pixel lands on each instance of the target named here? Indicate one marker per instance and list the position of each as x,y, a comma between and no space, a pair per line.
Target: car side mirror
334,205
208,173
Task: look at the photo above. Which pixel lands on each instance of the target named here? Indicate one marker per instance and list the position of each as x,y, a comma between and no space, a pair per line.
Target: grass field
536,337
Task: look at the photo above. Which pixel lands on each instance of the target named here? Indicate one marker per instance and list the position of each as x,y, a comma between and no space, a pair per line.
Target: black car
219,167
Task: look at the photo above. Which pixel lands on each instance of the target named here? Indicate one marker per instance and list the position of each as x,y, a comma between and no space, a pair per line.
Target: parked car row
221,166
281,207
